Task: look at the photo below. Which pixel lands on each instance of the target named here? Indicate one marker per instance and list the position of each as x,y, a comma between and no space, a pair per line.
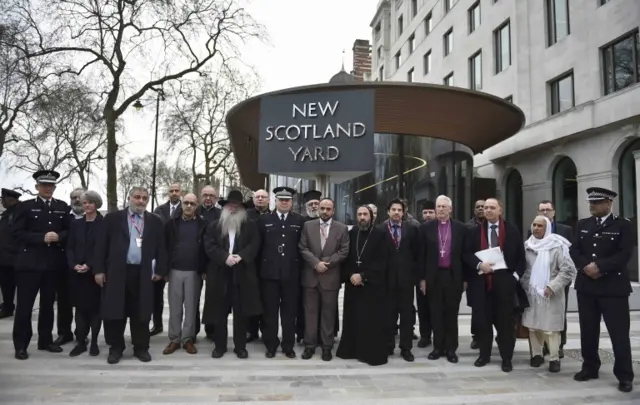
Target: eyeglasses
189,203
546,210
209,196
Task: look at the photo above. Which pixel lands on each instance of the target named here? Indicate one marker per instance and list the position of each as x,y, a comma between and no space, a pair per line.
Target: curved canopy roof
477,120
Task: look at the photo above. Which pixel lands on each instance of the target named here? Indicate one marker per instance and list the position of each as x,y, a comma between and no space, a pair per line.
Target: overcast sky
306,43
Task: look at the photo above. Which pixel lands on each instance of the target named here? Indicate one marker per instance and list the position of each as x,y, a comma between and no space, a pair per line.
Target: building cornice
384,5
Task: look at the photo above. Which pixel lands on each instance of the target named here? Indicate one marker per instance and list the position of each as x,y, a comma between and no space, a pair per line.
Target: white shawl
541,269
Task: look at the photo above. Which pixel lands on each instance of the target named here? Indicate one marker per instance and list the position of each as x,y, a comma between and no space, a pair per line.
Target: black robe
364,326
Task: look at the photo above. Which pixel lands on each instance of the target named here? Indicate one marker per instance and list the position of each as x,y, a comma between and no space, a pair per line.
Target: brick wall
361,60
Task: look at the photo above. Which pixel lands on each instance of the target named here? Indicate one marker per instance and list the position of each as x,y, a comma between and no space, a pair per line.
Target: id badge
139,242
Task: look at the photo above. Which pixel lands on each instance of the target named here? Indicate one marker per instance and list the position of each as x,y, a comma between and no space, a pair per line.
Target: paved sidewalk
198,379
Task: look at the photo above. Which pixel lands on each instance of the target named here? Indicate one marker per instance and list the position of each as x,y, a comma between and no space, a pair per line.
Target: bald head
189,205
208,196
261,199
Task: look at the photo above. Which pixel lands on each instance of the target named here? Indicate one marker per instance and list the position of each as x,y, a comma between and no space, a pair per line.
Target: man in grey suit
548,209
324,245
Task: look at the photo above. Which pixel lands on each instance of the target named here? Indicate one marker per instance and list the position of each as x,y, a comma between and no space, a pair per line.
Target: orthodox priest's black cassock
365,313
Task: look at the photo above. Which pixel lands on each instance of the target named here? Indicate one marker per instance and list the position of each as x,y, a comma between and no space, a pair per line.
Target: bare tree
134,173
114,41
62,132
195,122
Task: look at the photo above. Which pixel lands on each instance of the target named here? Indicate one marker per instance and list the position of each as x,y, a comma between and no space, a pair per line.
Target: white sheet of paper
153,268
492,255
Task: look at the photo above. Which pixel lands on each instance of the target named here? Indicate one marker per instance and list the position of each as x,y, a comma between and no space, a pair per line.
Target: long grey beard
231,222
311,213
364,226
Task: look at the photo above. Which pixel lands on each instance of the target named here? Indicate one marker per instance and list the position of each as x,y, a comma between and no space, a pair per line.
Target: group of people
278,267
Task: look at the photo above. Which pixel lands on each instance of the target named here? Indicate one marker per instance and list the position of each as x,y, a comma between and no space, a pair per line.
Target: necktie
396,235
599,221
173,209
282,217
493,236
323,239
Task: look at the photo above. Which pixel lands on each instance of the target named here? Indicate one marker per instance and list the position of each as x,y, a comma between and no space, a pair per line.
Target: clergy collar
444,222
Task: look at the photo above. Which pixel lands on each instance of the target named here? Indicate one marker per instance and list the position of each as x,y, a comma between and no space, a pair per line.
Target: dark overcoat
245,275
111,259
81,248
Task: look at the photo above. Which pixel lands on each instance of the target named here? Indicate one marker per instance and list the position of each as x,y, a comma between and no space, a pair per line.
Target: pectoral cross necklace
443,243
358,250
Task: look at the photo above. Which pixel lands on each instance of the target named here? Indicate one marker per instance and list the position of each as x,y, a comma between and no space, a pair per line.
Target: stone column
636,157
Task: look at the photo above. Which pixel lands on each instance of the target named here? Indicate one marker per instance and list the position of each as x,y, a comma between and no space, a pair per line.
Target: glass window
427,24
410,75
400,25
412,43
447,42
621,63
448,80
628,200
381,74
448,5
565,191
557,20
514,200
474,17
562,96
502,46
426,60
398,59
475,71
603,2
414,8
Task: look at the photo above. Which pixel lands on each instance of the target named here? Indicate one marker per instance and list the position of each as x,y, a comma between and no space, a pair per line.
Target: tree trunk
112,169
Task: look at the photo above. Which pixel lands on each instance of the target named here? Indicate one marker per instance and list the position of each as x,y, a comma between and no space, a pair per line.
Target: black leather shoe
584,375
308,353
326,355
452,357
114,357
51,348
270,354
435,355
218,353
78,350
94,350
156,330
142,355
474,345
21,354
424,342
536,361
625,386
481,362
5,313
241,353
507,367
407,355
554,366
290,353
63,340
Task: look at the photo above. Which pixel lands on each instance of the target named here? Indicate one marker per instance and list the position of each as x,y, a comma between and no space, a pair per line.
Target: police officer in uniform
279,269
601,249
8,252
41,227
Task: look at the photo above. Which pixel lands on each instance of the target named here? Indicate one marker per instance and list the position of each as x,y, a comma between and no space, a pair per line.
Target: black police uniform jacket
8,244
609,247
32,220
279,256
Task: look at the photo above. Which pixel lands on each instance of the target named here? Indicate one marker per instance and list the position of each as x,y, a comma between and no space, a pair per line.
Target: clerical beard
232,221
364,225
312,213
78,209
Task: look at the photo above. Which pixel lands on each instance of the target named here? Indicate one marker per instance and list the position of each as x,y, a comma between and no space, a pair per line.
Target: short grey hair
92,197
76,190
137,190
447,199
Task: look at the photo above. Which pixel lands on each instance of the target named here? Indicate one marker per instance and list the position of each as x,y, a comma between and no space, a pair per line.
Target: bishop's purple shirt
444,231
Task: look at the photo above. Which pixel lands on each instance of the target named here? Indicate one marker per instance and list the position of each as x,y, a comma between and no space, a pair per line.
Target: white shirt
604,218
280,214
173,208
497,224
232,240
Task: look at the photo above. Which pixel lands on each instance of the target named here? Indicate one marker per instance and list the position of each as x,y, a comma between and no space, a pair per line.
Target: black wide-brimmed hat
428,205
234,196
6,193
599,194
46,176
311,195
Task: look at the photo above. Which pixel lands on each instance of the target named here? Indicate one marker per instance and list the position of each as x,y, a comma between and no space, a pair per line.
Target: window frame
554,92
398,59
400,25
411,75
426,62
428,24
414,8
552,23
473,80
499,65
447,78
447,39
471,22
607,53
411,43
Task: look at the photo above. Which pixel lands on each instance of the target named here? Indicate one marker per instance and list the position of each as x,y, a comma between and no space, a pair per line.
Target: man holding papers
493,289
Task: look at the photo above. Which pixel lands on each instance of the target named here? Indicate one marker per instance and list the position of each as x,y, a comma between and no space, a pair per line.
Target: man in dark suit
170,209
324,245
8,252
548,209
403,244
41,227
422,298
256,207
478,217
130,257
601,250
493,291
279,269
442,243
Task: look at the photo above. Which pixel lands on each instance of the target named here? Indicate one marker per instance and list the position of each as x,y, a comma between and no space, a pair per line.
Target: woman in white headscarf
549,270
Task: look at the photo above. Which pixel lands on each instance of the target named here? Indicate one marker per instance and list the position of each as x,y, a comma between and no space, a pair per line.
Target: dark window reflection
513,202
628,202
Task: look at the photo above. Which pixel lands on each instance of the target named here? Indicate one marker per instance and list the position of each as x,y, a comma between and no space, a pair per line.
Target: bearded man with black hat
41,227
601,249
312,202
232,244
279,267
8,252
